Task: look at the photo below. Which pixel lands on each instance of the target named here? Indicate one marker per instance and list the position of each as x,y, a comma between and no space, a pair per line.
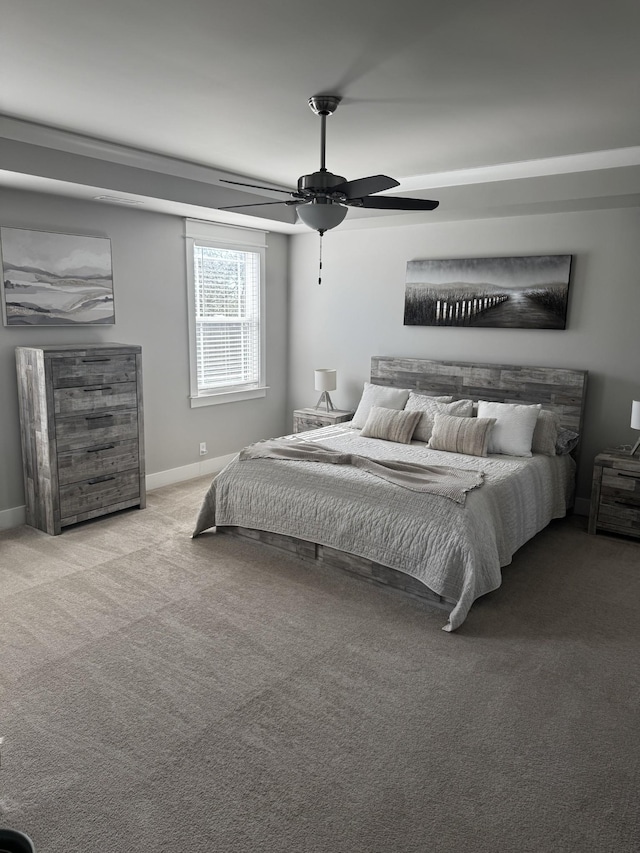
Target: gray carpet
202,696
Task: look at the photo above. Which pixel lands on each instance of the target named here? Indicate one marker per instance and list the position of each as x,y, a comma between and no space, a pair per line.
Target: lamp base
326,399
635,447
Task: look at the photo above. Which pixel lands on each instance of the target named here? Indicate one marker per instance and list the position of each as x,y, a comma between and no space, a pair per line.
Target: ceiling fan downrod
318,185
323,106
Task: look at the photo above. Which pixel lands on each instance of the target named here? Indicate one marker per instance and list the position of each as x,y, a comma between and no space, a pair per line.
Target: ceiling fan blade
260,204
393,203
366,186
255,186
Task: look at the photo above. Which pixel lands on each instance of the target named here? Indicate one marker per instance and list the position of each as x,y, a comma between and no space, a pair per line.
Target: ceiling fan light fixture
322,214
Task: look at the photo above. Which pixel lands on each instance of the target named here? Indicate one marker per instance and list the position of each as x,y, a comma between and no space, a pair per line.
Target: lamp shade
635,414
321,214
326,380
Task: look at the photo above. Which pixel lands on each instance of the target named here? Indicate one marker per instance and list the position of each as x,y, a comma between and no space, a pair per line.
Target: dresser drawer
77,431
92,398
95,369
98,492
109,458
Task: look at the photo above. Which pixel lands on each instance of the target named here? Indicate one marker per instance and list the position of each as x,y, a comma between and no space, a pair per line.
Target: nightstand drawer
620,518
98,369
619,486
304,424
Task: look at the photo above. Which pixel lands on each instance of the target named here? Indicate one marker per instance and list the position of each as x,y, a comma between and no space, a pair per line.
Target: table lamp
635,423
325,382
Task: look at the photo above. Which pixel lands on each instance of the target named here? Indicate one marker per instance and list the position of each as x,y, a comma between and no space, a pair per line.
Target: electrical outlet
203,448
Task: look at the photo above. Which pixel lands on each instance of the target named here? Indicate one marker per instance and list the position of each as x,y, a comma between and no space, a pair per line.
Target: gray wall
357,312
151,310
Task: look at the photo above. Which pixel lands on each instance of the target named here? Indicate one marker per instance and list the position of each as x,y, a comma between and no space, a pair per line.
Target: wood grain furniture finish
322,555
615,497
312,418
81,422
560,390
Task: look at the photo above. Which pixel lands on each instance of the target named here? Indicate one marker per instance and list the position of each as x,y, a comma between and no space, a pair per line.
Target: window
225,268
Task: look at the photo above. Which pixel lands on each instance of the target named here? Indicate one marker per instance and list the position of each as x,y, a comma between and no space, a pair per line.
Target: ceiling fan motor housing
319,181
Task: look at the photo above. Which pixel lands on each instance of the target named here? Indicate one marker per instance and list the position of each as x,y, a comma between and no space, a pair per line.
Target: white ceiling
482,104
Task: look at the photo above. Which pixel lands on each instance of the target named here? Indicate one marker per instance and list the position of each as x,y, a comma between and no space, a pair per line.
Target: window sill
217,398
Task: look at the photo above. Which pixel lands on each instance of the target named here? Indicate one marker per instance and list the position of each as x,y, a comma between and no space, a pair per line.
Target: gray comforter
456,550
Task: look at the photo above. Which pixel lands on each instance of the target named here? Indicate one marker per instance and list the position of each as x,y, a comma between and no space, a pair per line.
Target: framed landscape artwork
528,292
51,279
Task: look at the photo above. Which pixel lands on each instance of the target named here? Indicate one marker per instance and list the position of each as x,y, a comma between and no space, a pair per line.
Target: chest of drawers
81,422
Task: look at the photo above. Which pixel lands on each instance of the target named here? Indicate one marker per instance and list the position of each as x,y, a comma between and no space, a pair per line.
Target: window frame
236,239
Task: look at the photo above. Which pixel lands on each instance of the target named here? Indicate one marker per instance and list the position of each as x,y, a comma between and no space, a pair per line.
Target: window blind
226,300
227,314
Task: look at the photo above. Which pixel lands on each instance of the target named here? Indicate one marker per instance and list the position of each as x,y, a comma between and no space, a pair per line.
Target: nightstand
615,497
312,418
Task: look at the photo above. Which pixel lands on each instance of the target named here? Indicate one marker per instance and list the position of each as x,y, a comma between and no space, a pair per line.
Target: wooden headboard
558,389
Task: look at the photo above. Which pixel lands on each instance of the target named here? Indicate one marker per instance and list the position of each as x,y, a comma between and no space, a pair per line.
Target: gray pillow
390,424
378,395
545,433
566,441
430,407
461,435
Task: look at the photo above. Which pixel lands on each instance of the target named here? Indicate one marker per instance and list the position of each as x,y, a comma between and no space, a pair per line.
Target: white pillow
512,433
378,395
432,406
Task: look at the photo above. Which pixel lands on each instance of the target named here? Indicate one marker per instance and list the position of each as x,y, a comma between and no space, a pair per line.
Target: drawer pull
628,475
91,360
99,480
98,388
96,417
101,447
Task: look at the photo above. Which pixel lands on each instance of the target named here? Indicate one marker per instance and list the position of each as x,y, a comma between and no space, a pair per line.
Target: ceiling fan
323,199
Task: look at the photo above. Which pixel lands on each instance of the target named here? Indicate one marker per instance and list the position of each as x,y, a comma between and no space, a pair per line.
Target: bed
441,546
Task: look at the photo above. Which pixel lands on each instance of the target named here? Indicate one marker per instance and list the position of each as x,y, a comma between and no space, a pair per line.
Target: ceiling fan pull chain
320,261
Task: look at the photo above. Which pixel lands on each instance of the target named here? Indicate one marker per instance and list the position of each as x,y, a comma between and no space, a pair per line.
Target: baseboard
13,517
582,506
17,515
188,472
